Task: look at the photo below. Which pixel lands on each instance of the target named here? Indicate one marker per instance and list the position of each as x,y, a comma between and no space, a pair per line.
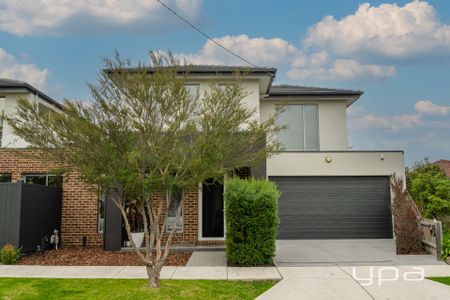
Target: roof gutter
35,92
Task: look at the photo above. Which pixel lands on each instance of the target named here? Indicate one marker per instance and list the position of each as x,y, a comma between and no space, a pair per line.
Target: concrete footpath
195,272
325,282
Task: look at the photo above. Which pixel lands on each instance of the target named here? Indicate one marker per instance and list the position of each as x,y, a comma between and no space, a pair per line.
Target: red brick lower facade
80,202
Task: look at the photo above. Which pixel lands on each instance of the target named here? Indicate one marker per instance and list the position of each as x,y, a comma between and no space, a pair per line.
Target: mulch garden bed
95,257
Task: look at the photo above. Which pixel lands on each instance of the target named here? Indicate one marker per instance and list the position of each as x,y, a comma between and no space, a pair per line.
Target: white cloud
56,17
418,136
13,68
360,120
391,123
387,30
340,69
429,108
280,53
260,51
348,49
355,111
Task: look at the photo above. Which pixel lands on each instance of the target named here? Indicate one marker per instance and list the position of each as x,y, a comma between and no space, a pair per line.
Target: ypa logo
386,274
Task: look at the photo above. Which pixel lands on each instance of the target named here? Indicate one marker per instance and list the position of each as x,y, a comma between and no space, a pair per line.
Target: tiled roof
295,90
8,82
275,91
444,165
218,69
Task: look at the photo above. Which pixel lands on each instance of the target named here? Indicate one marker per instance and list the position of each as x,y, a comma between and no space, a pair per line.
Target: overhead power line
206,35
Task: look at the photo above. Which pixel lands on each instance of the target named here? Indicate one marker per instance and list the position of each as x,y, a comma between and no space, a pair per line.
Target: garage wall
343,207
347,163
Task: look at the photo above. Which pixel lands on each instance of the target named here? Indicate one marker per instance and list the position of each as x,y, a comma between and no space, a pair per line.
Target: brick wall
190,225
189,235
79,203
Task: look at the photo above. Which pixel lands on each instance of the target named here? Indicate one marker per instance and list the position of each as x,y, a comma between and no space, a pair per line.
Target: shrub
9,255
445,223
251,221
430,189
446,245
408,237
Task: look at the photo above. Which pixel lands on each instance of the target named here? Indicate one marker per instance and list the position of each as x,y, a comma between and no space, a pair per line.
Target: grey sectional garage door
334,207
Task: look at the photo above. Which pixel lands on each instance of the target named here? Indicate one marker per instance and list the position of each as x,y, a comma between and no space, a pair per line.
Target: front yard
95,256
37,288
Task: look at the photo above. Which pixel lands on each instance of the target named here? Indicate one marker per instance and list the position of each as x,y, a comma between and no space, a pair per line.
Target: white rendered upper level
10,92
315,118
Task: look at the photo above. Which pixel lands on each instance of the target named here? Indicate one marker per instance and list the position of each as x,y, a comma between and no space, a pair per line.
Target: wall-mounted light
328,159
381,157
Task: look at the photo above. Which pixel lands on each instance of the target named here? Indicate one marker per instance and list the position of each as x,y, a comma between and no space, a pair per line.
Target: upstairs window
45,111
302,132
192,89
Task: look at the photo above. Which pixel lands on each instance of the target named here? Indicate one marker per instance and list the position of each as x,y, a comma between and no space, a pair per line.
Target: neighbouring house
444,164
79,215
329,191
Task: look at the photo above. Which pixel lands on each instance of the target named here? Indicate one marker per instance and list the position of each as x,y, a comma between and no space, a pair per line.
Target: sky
398,53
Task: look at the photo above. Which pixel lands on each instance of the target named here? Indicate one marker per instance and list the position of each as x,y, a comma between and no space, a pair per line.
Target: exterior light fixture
328,159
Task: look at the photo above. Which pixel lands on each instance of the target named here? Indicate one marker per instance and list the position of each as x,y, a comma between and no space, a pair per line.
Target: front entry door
212,210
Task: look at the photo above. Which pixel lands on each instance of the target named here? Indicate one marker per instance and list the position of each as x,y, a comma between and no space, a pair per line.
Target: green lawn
444,280
37,288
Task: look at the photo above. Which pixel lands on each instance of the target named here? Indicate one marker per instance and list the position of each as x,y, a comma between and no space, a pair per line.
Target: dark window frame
47,177
101,212
5,175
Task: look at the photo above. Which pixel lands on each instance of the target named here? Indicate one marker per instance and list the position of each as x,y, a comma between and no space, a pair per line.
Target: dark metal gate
28,212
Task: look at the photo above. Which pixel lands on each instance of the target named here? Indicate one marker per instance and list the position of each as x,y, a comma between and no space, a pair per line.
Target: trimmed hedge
252,221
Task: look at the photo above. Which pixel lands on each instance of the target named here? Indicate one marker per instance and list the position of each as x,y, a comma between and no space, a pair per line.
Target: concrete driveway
344,252
338,282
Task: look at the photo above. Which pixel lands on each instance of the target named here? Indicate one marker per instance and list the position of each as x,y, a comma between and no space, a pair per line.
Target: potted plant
137,233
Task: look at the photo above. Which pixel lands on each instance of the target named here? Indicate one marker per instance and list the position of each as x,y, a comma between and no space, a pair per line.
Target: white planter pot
138,238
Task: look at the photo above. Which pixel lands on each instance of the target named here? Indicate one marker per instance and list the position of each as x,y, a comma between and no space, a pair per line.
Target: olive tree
144,134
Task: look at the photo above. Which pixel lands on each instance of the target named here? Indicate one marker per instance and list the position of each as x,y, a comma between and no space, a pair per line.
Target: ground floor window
175,196
243,172
101,212
44,179
6,177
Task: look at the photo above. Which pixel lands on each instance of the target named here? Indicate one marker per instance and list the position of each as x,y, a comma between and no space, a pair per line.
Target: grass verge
43,288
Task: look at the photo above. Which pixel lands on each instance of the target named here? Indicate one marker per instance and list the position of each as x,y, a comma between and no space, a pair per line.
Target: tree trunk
153,276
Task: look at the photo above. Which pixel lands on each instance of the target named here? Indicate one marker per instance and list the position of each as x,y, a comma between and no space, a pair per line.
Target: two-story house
328,190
